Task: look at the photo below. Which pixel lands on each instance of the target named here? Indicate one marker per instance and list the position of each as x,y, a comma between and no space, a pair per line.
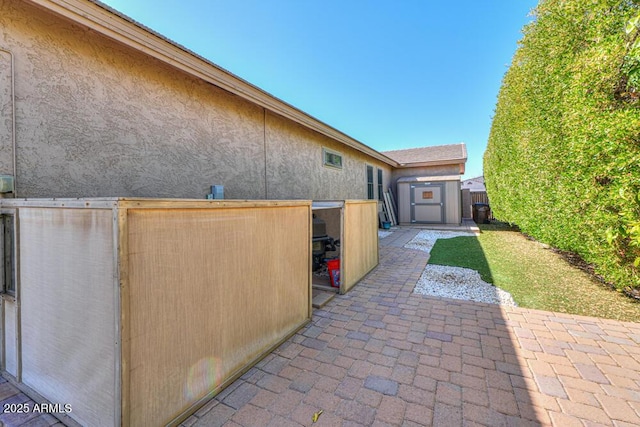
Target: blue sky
392,75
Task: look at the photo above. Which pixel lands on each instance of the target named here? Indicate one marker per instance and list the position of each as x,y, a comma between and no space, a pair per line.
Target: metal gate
427,203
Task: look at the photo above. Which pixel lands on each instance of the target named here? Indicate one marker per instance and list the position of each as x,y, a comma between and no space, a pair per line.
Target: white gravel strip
460,283
383,234
425,239
454,282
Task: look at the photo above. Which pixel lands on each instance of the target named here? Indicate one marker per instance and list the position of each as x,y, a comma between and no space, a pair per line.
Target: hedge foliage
563,157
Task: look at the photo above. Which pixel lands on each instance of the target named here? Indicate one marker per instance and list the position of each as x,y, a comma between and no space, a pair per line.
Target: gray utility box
217,191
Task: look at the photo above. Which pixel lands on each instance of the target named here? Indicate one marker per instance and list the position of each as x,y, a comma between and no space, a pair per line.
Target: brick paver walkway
382,356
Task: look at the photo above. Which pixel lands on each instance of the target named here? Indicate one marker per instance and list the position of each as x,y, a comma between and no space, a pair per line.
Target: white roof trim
446,162
429,178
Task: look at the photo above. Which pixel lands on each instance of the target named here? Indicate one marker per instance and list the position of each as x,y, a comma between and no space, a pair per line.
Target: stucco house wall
96,118
5,113
440,170
295,168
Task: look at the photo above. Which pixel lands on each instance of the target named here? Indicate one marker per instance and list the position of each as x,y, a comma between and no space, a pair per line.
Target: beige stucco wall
424,171
442,170
5,113
96,118
295,165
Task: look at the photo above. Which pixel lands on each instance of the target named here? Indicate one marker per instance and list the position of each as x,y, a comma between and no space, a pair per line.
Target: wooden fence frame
168,361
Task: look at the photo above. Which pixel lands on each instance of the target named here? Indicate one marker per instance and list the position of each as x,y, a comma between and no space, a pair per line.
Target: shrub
563,157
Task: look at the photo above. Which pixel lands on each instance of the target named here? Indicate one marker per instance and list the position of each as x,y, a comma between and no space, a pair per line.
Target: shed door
427,203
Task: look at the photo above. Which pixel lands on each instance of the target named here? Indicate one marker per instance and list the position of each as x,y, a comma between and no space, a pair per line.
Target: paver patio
381,355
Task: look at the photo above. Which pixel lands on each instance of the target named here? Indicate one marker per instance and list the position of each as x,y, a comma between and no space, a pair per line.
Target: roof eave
448,162
460,162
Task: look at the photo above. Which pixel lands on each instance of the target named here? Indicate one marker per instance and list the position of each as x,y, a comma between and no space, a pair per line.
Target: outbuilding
429,200
136,311
427,182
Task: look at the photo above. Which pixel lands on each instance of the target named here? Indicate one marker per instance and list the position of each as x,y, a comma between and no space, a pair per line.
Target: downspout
264,139
13,123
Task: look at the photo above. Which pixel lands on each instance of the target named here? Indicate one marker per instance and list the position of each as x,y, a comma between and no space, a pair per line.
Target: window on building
8,258
370,193
380,189
331,158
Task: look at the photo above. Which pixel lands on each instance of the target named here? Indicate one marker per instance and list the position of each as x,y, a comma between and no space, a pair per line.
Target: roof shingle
454,153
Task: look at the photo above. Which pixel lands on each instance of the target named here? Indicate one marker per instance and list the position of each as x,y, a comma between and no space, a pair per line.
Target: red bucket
333,265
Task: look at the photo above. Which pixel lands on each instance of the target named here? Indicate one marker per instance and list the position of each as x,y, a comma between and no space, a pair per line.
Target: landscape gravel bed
454,282
460,283
425,239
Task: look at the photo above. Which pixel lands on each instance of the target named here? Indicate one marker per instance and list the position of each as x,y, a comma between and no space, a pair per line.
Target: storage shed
138,311
428,183
354,223
429,200
135,312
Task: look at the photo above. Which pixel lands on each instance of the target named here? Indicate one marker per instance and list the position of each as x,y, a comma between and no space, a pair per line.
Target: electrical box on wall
6,184
217,192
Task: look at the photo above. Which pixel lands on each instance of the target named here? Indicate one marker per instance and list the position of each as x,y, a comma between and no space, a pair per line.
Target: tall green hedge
563,157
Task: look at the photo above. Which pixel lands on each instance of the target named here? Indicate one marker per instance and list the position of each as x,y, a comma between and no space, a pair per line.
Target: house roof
107,21
430,156
474,184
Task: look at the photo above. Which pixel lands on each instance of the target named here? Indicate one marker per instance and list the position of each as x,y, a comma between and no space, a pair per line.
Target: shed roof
439,154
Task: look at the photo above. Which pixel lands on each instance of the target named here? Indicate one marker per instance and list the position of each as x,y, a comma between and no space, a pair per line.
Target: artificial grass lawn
536,277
